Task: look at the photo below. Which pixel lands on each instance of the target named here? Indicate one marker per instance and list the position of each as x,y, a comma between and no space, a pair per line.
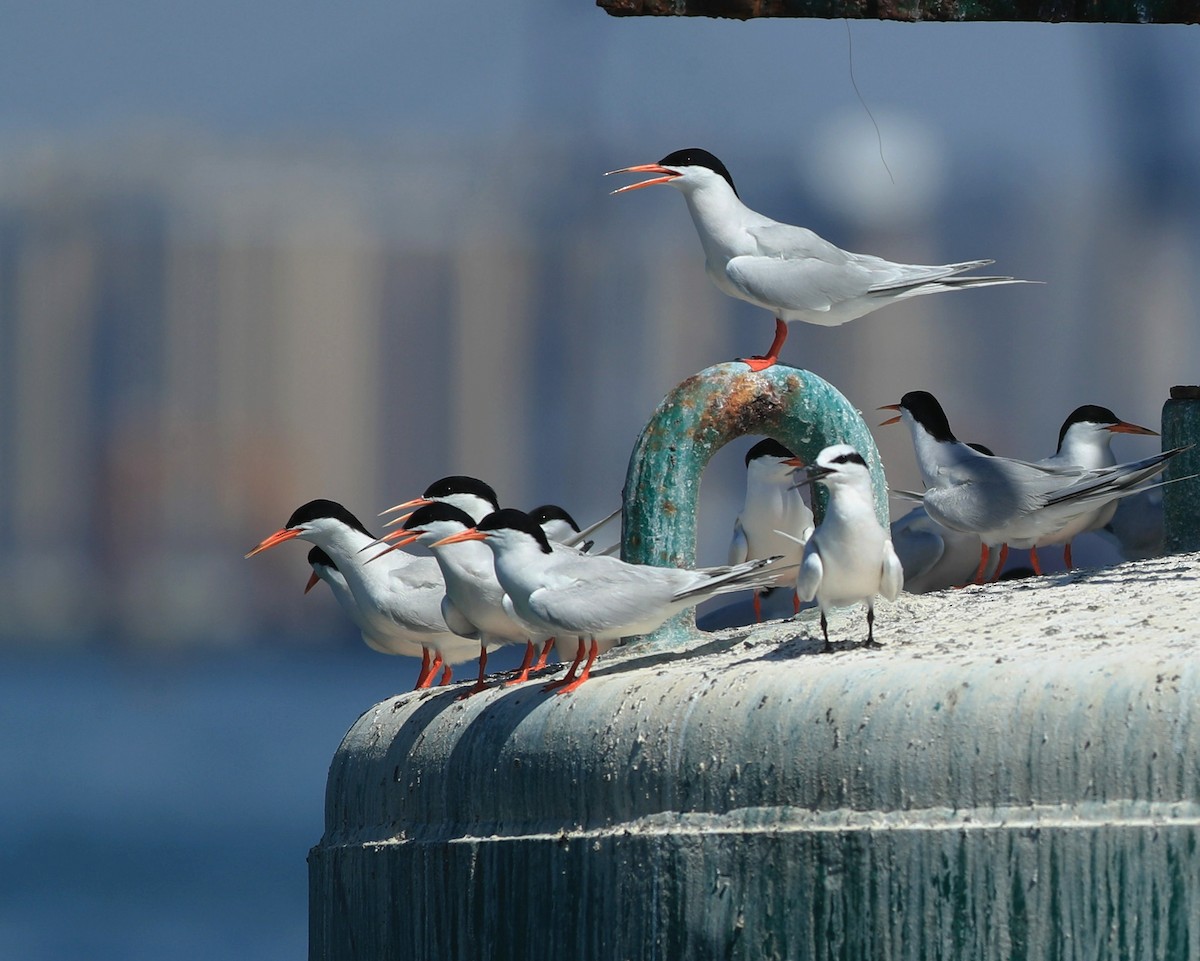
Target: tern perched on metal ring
786,269
773,503
849,557
1085,440
1008,503
599,598
398,602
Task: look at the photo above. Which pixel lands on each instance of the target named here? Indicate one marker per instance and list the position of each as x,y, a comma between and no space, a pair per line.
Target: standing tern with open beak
598,598
1085,440
773,503
397,603
1008,503
849,557
786,269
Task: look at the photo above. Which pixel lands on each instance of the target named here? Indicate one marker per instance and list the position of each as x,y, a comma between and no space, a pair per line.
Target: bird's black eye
851,457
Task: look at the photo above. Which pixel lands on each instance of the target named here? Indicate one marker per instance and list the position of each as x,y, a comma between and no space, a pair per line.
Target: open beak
277,538
470,534
312,582
890,420
667,176
794,462
1122,427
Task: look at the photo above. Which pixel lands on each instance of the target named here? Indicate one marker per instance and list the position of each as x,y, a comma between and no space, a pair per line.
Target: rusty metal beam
1047,11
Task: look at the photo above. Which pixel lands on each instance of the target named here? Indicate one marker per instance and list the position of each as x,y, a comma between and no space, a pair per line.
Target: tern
396,603
324,569
473,605
1008,503
468,494
773,503
1085,440
849,558
598,598
934,557
786,269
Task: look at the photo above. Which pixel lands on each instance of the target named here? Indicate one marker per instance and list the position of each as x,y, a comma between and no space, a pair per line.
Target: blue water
163,808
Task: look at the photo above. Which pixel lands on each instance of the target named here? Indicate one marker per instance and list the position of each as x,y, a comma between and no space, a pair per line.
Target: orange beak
312,582
414,504
890,420
667,172
794,462
277,538
470,534
1126,428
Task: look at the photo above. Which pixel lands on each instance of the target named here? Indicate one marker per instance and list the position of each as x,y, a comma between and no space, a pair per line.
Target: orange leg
429,672
1067,557
1000,563
523,670
571,673
541,661
795,603
478,685
982,568
757,608
771,357
1033,560
446,675
587,669
424,672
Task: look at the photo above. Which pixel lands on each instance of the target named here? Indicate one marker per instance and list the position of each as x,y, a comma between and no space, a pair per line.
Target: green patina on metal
698,418
1181,500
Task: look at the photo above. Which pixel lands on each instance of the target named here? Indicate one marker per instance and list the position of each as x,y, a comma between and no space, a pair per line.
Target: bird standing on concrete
786,269
396,604
1008,503
597,598
473,605
1085,440
773,503
849,557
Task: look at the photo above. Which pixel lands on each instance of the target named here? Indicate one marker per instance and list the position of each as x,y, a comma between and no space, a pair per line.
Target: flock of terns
495,575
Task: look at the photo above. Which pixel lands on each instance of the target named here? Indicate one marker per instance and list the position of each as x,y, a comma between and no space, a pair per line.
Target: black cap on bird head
697,157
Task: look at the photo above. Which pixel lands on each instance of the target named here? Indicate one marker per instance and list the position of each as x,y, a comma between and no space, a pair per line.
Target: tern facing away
396,603
773,503
1008,503
786,269
597,598
849,557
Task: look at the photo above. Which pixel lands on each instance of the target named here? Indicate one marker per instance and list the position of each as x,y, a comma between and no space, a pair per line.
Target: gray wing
811,570
800,284
456,620
892,577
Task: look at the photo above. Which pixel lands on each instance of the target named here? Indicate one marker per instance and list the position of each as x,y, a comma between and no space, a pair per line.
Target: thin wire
854,83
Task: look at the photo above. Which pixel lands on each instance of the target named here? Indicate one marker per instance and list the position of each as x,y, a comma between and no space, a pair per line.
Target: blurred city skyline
335,255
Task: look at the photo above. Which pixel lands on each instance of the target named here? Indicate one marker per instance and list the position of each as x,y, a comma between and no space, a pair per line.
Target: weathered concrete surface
1051,11
1015,775
696,419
